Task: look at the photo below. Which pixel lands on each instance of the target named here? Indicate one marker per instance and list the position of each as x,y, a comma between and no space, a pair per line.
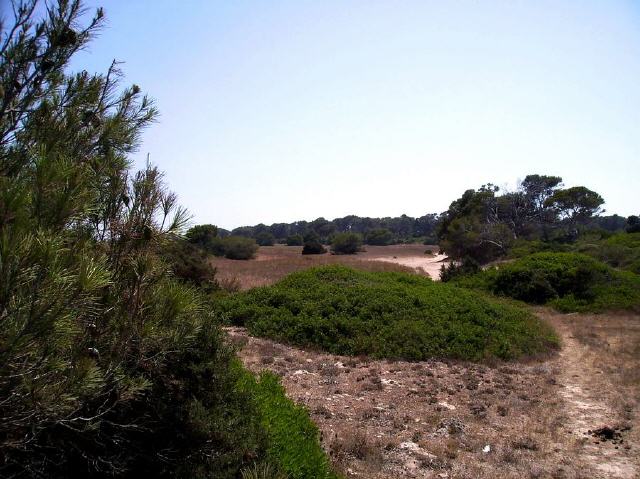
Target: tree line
375,231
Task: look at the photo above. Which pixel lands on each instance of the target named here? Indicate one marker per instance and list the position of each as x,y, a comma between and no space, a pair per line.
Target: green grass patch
567,281
293,439
387,315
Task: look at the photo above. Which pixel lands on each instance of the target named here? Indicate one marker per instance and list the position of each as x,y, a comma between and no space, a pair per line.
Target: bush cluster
392,315
346,243
568,281
237,247
313,247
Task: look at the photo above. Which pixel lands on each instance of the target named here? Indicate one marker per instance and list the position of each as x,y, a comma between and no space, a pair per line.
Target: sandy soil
451,419
426,264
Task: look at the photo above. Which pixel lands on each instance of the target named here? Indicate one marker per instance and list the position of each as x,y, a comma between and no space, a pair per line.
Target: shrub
392,315
295,240
568,281
239,247
454,270
189,263
346,243
202,235
265,239
313,247
380,237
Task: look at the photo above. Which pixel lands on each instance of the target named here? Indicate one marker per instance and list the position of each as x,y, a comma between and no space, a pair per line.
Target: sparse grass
393,315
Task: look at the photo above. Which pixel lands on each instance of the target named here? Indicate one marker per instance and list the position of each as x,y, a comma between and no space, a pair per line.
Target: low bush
189,264
313,247
392,315
265,239
346,243
293,440
568,281
295,240
239,247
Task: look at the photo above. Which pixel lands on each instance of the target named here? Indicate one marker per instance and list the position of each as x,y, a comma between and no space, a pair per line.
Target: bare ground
451,419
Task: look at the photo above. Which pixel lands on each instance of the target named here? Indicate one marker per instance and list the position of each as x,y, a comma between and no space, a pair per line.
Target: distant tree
295,240
575,204
346,243
238,247
633,224
265,239
322,227
202,235
380,237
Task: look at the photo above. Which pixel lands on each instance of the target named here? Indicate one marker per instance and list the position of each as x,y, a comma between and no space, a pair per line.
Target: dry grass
273,263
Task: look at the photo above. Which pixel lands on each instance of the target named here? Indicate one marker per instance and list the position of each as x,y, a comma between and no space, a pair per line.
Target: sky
287,110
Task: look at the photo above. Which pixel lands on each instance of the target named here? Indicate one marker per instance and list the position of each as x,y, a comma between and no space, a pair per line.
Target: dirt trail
587,391
452,419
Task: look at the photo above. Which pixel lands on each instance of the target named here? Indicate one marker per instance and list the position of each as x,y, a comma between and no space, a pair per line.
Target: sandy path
428,264
585,389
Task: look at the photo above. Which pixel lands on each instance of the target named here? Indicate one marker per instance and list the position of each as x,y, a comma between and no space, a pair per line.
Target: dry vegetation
273,263
386,419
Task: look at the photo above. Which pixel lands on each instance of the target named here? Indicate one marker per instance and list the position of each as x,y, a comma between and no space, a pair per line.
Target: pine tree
107,365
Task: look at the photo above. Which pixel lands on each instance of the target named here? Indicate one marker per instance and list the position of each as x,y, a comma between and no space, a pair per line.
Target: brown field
273,263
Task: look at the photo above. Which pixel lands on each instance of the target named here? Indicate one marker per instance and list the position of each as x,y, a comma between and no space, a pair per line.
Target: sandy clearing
429,265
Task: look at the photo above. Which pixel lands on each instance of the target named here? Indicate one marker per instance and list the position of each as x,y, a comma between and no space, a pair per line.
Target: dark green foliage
380,237
295,240
202,235
109,364
454,270
633,224
568,281
485,225
404,229
294,446
265,239
313,247
346,243
620,251
189,263
391,315
237,247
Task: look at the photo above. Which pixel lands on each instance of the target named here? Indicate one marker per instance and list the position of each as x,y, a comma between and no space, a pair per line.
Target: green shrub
189,263
392,315
294,449
239,247
568,281
346,243
265,239
313,247
295,240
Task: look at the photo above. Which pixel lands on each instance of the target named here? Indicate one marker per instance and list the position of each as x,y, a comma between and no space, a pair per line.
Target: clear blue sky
285,110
